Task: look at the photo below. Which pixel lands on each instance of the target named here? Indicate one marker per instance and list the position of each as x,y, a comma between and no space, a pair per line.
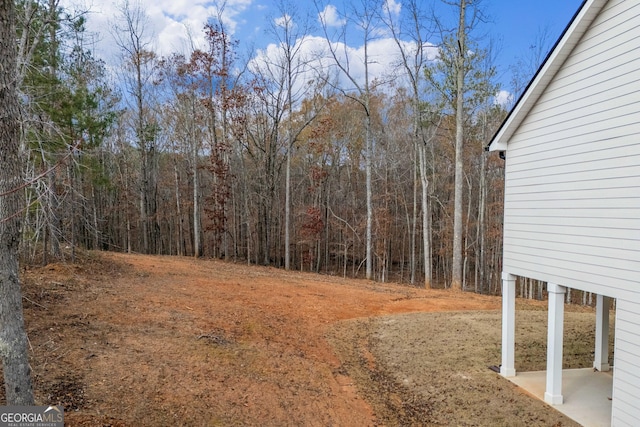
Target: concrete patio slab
587,394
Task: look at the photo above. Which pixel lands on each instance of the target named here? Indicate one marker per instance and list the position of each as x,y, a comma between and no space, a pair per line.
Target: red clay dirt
133,340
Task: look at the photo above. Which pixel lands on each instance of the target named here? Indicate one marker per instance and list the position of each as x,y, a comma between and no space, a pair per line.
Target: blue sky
513,24
517,23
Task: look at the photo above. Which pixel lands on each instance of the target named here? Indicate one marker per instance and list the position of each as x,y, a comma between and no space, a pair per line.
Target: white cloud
393,6
329,16
503,98
271,59
383,55
168,21
171,21
283,21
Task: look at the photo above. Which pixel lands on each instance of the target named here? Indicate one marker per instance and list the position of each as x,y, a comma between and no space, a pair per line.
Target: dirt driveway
132,340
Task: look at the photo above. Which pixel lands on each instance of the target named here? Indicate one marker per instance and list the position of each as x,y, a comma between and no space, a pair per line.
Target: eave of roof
570,37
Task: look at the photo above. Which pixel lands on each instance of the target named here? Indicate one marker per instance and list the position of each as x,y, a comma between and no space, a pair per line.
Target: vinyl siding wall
572,192
626,384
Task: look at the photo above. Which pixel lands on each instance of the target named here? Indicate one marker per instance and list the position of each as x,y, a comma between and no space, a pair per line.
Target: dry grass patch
432,368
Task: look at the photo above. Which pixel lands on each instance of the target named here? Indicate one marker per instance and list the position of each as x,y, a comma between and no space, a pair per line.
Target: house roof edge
554,60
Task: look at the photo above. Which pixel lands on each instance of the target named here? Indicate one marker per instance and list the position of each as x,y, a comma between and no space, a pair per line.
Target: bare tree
526,64
290,30
414,57
130,33
456,275
286,31
215,67
183,119
13,337
458,55
362,16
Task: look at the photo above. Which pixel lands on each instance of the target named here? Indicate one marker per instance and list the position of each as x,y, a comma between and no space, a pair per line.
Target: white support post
555,329
507,369
601,359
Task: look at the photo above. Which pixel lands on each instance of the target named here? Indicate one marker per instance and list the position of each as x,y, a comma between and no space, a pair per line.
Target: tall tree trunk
96,230
54,221
287,207
144,180
144,217
368,162
152,199
368,172
196,202
456,273
426,224
13,337
414,215
179,221
74,240
482,207
287,198
130,37
54,215
126,212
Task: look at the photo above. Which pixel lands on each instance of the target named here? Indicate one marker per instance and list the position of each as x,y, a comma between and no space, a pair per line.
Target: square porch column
601,359
507,369
555,330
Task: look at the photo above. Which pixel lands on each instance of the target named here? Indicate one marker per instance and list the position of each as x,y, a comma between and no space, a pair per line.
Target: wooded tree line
315,161
271,160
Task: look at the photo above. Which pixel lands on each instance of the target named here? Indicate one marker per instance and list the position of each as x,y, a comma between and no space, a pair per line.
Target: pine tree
13,337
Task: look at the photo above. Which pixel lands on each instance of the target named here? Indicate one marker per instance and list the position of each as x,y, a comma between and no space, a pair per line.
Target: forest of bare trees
272,160
307,159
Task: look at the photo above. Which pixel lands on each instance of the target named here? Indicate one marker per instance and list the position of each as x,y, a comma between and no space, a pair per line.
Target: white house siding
572,187
626,384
